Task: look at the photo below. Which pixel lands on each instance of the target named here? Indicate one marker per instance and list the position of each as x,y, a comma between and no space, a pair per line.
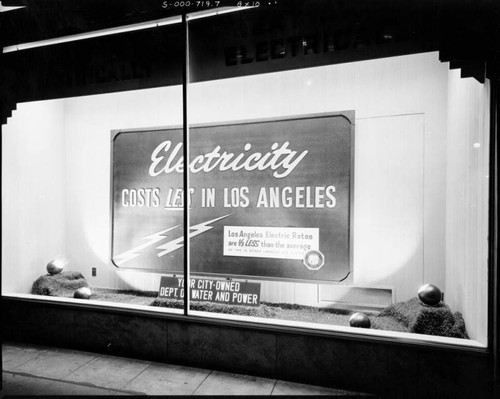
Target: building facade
338,156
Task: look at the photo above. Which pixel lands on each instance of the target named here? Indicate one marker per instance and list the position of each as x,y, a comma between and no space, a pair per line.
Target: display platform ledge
258,323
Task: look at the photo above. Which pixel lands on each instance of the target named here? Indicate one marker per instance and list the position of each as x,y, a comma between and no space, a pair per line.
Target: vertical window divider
185,138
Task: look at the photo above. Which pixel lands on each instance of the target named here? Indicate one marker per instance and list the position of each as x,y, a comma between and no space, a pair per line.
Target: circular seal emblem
314,260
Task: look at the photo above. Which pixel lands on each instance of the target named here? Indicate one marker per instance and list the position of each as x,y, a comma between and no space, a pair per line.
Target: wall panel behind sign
389,205
33,193
467,203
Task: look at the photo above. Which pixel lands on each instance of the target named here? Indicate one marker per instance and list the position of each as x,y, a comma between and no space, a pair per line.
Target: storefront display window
337,196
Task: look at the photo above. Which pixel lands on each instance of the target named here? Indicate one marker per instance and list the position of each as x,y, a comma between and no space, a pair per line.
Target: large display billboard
268,199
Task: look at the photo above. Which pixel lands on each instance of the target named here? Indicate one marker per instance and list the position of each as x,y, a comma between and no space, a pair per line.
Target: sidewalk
38,370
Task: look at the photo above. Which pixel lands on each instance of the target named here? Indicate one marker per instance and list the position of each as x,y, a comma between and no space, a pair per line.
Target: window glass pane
81,180
326,188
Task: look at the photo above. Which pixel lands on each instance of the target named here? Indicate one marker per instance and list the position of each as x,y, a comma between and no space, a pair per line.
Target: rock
63,284
431,320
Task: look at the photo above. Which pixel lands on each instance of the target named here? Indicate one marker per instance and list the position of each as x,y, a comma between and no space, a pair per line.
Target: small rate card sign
219,291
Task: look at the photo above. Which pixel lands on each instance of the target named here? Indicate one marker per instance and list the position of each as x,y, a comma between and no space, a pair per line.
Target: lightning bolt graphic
193,231
132,253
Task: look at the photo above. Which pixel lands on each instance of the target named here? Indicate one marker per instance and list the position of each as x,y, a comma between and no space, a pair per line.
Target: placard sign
268,199
220,291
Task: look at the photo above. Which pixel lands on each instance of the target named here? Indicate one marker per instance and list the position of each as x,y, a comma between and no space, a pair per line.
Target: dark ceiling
43,19
465,32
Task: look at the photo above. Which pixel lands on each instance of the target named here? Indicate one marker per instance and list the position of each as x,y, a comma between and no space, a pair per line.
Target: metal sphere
82,293
429,294
359,320
55,266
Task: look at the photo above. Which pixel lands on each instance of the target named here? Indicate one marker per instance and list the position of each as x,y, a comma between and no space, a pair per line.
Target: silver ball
55,266
82,293
429,294
359,320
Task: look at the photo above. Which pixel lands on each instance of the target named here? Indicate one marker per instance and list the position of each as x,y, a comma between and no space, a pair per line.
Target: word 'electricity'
167,158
